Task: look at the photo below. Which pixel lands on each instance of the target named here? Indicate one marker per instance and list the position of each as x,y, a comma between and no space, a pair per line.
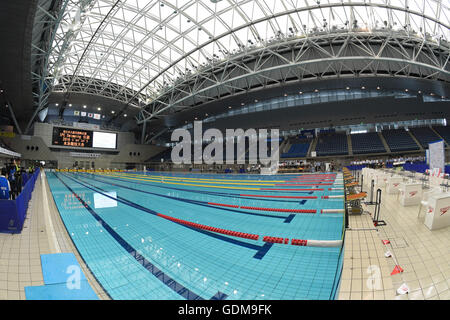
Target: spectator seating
298,149
332,144
399,140
367,143
444,132
424,135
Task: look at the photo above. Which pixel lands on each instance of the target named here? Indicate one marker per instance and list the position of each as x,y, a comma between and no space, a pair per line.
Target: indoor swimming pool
199,236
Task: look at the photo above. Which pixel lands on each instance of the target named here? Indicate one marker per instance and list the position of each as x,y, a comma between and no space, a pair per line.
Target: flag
97,116
90,115
76,112
83,114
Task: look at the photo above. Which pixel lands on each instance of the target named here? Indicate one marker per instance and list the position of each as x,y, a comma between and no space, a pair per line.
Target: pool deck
424,255
43,233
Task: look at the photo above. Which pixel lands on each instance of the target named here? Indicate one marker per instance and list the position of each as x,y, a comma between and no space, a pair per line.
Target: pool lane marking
297,242
198,202
197,179
159,274
191,184
161,180
137,206
222,204
281,197
220,187
196,226
220,194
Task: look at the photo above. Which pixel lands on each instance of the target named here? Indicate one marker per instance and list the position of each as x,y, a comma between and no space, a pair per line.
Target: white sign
88,126
437,155
84,155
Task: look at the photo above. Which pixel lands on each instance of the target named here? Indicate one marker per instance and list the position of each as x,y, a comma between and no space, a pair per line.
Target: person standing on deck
4,185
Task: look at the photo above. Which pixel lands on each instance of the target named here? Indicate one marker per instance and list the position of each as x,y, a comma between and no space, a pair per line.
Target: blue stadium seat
424,135
399,140
367,143
332,144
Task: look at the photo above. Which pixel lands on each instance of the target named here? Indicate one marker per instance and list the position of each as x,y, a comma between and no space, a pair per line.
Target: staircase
386,146
284,147
415,140
312,146
349,144
432,129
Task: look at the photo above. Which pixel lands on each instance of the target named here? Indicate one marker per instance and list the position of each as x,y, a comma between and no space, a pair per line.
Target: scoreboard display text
72,137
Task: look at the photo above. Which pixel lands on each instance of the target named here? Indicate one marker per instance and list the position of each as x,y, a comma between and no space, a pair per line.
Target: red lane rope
273,189
303,184
213,229
264,209
295,242
279,209
284,197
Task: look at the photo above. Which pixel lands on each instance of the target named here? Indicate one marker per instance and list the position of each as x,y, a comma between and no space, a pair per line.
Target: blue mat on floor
63,278
60,292
57,268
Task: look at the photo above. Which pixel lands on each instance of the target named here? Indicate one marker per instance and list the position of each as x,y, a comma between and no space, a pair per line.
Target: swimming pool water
134,253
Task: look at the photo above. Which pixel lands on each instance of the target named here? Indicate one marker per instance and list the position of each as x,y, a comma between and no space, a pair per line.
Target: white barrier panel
393,184
438,211
410,194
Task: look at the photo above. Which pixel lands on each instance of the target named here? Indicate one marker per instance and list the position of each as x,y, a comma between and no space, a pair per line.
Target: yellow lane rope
183,184
194,179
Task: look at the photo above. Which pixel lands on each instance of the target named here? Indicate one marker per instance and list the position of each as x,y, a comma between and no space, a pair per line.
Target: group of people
12,178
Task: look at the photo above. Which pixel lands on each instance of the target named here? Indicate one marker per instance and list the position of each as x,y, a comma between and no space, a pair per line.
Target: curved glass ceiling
144,45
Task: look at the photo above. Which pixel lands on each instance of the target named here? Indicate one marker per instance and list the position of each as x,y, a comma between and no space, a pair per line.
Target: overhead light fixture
85,106
378,88
301,92
348,88
56,104
316,90
99,108
363,87
70,104
125,115
112,111
229,107
406,90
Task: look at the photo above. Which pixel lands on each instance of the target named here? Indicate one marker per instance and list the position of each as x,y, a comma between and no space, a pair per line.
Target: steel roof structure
161,57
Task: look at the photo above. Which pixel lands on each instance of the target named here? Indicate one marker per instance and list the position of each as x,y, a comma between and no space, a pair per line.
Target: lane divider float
263,209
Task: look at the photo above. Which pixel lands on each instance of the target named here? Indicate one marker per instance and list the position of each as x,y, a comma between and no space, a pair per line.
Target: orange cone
396,270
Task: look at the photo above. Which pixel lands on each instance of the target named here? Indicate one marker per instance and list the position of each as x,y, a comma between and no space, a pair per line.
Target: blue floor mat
57,268
60,292
61,273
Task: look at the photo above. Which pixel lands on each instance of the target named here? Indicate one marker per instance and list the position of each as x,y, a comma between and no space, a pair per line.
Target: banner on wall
437,155
88,126
427,156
